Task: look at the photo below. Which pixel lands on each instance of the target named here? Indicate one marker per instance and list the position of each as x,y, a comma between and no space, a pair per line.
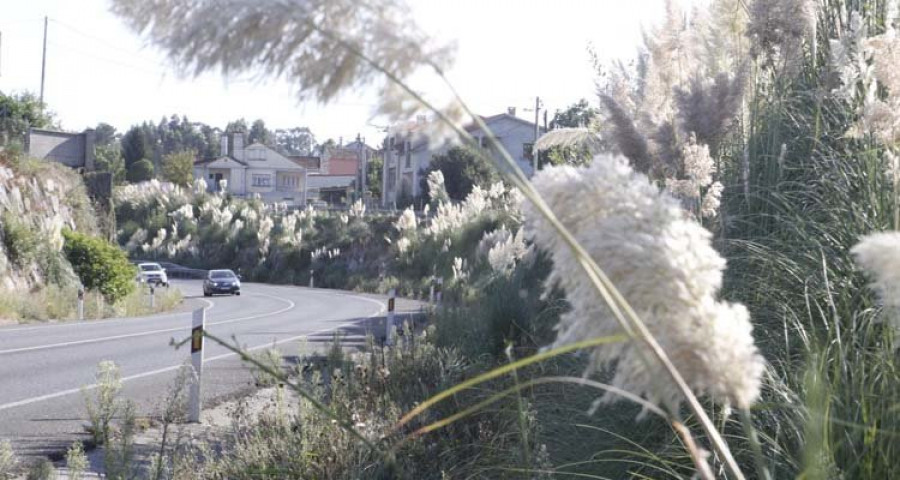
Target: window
289,181
262,180
392,179
528,151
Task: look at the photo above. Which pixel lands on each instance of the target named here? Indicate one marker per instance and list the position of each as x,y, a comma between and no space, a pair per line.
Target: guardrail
186,273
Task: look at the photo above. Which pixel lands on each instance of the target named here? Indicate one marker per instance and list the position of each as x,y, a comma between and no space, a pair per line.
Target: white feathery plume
459,269
436,189
315,44
879,255
698,164
664,266
200,186
358,209
406,222
570,137
403,245
490,239
709,207
505,254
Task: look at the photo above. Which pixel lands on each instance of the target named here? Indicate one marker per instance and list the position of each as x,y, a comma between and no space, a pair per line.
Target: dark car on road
221,281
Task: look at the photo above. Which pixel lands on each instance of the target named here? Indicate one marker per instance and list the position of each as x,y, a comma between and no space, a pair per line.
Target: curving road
44,367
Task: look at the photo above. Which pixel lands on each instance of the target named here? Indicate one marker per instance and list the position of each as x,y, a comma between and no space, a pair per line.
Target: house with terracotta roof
254,170
340,174
408,150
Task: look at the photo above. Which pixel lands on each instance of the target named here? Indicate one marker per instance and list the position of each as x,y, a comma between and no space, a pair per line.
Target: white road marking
62,393
290,306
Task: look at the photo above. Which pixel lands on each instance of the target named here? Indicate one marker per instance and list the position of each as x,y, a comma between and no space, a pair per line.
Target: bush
100,265
141,171
20,241
462,170
178,168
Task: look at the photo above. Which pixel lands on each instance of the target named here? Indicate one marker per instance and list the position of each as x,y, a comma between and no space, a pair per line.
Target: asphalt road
43,368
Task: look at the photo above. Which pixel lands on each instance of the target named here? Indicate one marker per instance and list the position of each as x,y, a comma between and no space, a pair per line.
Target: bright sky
508,52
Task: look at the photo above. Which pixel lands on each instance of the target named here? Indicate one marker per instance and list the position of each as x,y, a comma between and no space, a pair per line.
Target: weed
8,460
105,405
76,461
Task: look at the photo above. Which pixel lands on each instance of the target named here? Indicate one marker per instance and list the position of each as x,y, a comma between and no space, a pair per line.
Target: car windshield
220,274
150,268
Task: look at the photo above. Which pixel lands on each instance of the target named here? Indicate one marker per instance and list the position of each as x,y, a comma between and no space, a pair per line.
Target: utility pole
43,63
362,167
537,119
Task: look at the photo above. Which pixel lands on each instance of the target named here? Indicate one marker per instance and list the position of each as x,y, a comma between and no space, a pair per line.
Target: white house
407,152
255,170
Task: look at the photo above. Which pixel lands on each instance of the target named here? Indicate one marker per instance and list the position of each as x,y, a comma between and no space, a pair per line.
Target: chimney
511,111
238,152
223,145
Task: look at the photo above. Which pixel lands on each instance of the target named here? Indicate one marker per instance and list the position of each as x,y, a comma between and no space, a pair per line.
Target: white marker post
152,302
80,303
312,274
199,324
389,321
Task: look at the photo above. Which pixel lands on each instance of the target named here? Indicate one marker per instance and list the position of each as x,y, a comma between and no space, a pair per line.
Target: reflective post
389,321
80,303
197,340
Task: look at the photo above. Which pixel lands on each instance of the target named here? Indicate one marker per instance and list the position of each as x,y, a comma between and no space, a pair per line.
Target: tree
18,113
178,168
579,114
140,171
99,265
134,146
105,134
295,141
108,158
462,170
325,146
375,170
260,134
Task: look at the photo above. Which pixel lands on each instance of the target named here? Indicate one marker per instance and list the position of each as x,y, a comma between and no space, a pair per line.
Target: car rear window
221,274
150,268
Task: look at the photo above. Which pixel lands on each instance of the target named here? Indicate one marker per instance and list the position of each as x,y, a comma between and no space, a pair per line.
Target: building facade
255,170
408,151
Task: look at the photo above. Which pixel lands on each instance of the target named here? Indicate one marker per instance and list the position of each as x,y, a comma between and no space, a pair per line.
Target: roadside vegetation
755,135
51,245
759,134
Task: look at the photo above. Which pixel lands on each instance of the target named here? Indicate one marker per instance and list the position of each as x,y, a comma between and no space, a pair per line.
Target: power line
105,59
107,43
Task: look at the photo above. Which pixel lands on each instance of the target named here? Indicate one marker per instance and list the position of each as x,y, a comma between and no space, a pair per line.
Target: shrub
178,168
8,460
100,265
20,241
461,171
141,171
